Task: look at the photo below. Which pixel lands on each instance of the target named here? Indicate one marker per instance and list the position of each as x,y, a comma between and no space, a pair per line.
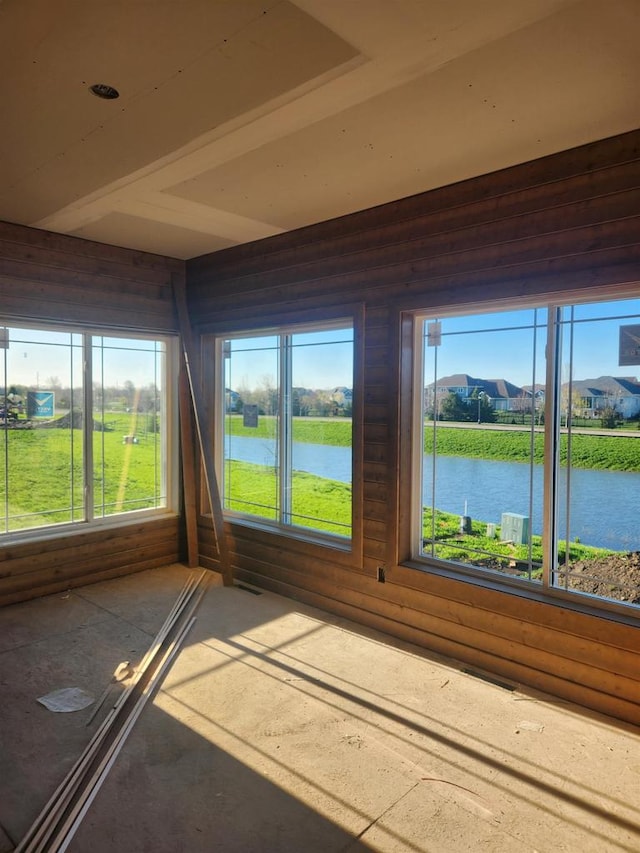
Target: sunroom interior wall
47,277
565,223
52,277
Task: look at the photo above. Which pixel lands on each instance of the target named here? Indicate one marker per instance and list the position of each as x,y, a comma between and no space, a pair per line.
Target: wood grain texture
52,277
29,569
188,460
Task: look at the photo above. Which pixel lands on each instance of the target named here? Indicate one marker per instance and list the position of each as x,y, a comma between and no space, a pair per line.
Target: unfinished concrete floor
280,728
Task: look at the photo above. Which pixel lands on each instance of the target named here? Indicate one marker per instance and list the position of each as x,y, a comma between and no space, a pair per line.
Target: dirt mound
616,577
72,420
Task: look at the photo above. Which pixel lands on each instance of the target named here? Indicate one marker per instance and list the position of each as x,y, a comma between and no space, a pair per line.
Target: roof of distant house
607,386
495,388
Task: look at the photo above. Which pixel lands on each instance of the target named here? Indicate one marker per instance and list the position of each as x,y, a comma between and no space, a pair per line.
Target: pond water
334,463
603,510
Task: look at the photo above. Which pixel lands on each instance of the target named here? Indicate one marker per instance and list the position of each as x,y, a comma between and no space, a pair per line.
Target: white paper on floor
529,726
67,699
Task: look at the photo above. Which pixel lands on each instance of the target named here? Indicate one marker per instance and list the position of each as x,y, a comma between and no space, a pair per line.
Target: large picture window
285,447
528,446
83,426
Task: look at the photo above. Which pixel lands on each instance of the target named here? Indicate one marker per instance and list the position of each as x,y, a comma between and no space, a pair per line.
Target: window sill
334,549
577,602
82,528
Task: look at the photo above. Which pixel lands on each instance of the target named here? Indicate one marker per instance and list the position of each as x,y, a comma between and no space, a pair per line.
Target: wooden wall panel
569,223
51,277
542,235
32,568
45,276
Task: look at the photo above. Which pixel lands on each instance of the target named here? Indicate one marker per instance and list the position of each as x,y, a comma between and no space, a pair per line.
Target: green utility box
514,528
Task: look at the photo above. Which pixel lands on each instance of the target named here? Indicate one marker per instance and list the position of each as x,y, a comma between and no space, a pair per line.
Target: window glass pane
251,426
61,463
321,408
129,457
41,417
483,441
599,478
287,432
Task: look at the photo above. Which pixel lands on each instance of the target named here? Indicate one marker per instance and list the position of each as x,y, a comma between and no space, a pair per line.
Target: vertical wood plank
203,427
188,469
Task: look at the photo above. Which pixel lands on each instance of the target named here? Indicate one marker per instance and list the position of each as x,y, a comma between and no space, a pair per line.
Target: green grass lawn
332,431
442,539
42,477
602,452
317,503
614,453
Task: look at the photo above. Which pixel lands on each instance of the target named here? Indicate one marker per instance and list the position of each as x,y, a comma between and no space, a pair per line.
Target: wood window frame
404,317
306,543
91,520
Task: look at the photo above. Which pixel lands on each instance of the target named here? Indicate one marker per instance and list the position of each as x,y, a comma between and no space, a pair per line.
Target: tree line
452,407
305,402
125,397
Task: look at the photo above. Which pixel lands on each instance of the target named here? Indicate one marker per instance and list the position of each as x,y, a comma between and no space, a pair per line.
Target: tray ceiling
238,120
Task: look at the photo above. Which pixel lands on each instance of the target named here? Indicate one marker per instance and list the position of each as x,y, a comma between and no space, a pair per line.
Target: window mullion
420,350
532,436
285,437
551,447
569,428
87,423
5,447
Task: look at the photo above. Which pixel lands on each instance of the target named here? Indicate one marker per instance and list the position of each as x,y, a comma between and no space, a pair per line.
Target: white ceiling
240,119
